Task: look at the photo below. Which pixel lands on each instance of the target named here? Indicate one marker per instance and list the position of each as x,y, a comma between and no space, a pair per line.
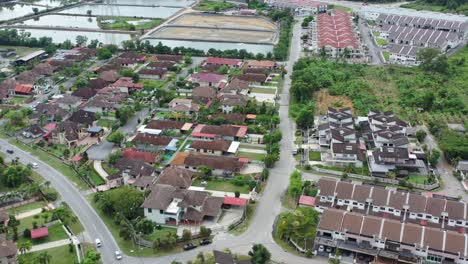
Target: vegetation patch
459,7
223,185
386,55
264,90
241,228
207,5
123,23
314,156
56,255
381,41
323,100
251,155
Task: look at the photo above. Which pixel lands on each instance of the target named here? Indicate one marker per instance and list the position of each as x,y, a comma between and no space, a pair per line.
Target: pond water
59,36
204,45
10,11
181,3
128,11
65,21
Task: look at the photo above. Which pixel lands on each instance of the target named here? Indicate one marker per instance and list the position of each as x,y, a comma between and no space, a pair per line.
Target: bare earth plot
206,34
215,21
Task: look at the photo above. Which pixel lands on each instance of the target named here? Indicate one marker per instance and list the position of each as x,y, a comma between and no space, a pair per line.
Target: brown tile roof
455,210
417,203
144,181
361,193
169,57
43,69
234,118
397,200
344,190
144,138
352,223
435,206
327,186
161,64
215,145
161,196
135,167
412,234
204,91
331,219
252,77
164,124
223,130
371,226
391,230
215,162
69,128
455,243
7,247
6,87
85,93
109,76
176,177
83,117
379,196
432,238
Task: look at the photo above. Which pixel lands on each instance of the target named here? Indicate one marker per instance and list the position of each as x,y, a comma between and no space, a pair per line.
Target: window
150,210
161,211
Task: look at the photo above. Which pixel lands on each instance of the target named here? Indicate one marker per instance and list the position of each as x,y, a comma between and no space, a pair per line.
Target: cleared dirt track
235,22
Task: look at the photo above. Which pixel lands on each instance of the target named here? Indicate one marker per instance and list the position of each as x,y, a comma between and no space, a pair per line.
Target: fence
31,200
141,242
426,187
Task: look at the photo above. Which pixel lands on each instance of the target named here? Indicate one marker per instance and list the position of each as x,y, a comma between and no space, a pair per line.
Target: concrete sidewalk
97,164
28,213
259,151
53,244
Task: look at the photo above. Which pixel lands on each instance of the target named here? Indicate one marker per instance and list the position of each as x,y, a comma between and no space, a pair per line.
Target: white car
321,248
98,242
118,255
34,165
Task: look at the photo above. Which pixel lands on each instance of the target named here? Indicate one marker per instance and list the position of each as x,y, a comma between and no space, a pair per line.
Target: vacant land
220,21
58,255
207,34
206,5
323,100
20,51
420,5
222,186
123,23
264,90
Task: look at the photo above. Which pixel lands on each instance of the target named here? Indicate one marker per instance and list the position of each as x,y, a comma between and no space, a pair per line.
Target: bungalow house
216,147
61,64
97,83
83,117
270,65
211,68
256,71
232,118
85,93
126,85
220,165
176,177
26,77
69,102
145,156
100,104
231,63
165,65
48,112
252,78
186,106
109,76
462,168
204,94
7,89
33,131
230,101
43,69
134,56
8,250
207,79
68,133
168,57
170,205
153,74
127,63
107,67
23,89
132,169
228,132
157,126
150,142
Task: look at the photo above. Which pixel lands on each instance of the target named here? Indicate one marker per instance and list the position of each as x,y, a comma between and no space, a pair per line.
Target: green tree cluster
299,225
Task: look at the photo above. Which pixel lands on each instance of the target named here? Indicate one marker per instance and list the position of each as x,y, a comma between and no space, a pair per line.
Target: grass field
19,99
264,90
418,5
160,233
59,255
250,155
222,185
206,5
338,7
20,51
417,179
151,84
386,55
122,23
53,162
26,207
56,232
314,156
381,42
106,123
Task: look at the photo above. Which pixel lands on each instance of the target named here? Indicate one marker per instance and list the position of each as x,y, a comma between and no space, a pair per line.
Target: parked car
205,242
98,242
9,151
118,255
34,165
189,246
321,248
328,249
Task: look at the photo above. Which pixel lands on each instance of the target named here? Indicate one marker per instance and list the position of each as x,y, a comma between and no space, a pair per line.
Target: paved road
374,51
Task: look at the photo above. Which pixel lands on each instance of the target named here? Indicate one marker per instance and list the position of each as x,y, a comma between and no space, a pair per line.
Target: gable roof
176,177
134,167
83,117
223,61
133,153
145,138
164,124
215,145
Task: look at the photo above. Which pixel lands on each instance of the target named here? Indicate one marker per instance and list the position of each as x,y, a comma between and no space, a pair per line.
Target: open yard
152,84
264,90
419,5
222,185
386,55
59,255
381,41
235,22
26,207
56,232
206,5
160,233
251,155
124,23
19,99
323,100
20,51
314,156
417,179
106,122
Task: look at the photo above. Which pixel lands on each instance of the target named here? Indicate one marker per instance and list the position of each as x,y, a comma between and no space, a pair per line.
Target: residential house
132,169
228,132
109,76
204,94
462,168
146,156
27,78
263,71
186,106
207,79
68,133
170,205
43,69
100,104
7,89
216,147
69,102
176,177
8,251
168,57
84,93
107,67
48,112
157,126
252,78
126,63
347,153
83,117
220,165
230,101
23,89
231,63
126,85
33,131
153,74
165,65
269,65
134,56
232,118
61,64
236,86
150,142
404,55
211,68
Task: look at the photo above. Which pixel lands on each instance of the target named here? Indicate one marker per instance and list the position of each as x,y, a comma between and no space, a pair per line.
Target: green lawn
122,23
26,207
338,7
264,90
161,233
53,162
20,51
125,245
56,232
250,155
222,185
59,255
386,55
95,178
19,99
4,188
262,147
376,33
381,41
106,123
362,171
417,179
151,84
206,5
419,5
314,156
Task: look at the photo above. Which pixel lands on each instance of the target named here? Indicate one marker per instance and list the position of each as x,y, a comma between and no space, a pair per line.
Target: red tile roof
127,82
307,200
23,88
336,30
39,232
235,201
132,153
208,77
261,64
223,61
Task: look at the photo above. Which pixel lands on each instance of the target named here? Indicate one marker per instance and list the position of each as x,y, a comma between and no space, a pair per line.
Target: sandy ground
215,35
224,22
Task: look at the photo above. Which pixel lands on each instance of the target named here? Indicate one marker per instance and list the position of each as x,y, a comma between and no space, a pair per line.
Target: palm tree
44,258
24,246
